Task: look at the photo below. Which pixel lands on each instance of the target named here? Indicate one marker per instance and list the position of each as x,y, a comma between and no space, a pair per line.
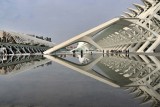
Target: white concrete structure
141,72
138,73
86,70
21,38
18,43
136,31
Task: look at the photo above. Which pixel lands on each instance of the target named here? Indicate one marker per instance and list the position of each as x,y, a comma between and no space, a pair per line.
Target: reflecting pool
89,80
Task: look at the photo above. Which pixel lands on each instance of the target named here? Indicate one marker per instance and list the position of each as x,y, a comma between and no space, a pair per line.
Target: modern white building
136,31
19,43
21,38
138,74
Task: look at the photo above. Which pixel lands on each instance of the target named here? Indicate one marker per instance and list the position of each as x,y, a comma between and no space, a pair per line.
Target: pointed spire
140,93
147,3
133,11
123,16
147,99
139,7
128,14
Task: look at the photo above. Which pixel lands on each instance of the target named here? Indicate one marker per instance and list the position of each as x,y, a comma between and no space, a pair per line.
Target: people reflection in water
81,53
74,53
91,52
133,72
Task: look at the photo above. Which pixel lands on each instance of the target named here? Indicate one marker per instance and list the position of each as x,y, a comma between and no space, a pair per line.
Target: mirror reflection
10,64
137,74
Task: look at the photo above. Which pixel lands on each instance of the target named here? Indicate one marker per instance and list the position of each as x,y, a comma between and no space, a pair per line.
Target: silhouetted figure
126,51
81,53
74,52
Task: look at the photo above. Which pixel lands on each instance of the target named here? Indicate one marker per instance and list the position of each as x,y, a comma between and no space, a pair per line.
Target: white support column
8,47
120,47
116,48
154,45
135,47
155,60
36,50
90,41
33,50
28,50
137,58
125,47
141,49
147,61
24,50
131,45
18,50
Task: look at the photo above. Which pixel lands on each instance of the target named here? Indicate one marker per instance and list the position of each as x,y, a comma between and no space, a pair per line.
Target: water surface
88,81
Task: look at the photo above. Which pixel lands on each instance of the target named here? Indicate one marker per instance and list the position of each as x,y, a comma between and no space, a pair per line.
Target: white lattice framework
21,38
136,31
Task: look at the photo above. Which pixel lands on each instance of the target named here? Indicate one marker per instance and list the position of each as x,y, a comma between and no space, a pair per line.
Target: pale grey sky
59,19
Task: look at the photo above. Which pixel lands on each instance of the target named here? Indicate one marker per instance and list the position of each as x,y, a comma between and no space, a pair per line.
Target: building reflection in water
138,74
76,58
18,63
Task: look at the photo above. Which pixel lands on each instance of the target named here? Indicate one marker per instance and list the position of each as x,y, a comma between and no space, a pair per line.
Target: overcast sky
58,19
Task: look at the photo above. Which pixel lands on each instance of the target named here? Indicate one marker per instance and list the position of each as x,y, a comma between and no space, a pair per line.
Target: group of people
119,51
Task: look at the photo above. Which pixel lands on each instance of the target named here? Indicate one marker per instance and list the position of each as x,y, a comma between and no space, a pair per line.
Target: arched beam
88,34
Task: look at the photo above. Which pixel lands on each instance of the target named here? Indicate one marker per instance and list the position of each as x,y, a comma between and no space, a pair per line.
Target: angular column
154,45
135,47
90,41
17,50
120,47
131,45
9,48
141,49
33,50
116,47
24,50
28,50
125,47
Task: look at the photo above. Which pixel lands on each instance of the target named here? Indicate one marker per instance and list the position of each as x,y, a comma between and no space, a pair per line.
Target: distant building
18,38
19,43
